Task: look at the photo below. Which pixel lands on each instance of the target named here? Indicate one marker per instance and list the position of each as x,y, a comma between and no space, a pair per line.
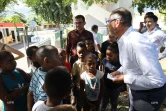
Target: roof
11,25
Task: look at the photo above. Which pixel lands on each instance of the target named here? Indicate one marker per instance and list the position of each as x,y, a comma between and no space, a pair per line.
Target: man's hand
141,25
115,73
119,79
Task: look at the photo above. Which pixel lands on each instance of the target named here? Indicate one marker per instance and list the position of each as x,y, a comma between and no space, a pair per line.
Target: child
90,48
14,84
31,54
91,84
105,44
57,85
47,56
78,69
62,54
110,64
63,108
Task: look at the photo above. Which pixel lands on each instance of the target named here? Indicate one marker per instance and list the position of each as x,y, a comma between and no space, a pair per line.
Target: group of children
52,81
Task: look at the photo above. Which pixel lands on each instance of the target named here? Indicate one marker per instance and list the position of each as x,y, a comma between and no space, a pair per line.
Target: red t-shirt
68,66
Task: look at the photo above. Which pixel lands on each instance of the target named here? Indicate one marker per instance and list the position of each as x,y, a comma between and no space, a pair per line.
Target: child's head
47,56
7,61
112,52
94,28
62,54
81,50
57,83
90,62
31,53
89,45
64,107
112,38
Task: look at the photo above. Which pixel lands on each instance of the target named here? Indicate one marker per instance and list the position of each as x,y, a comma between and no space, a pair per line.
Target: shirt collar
40,72
148,33
79,32
125,34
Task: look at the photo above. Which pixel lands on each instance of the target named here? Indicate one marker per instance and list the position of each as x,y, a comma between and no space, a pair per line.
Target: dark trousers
112,95
148,100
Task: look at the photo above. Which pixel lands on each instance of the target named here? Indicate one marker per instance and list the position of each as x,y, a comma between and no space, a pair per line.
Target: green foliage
4,3
153,4
56,11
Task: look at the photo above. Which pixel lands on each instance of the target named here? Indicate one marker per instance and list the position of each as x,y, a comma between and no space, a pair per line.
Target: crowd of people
77,78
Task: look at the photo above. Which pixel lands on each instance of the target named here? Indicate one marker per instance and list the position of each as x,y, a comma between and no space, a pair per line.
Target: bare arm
3,94
30,100
12,50
67,57
98,46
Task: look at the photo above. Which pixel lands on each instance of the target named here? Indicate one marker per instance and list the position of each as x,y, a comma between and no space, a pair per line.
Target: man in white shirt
96,39
157,36
140,69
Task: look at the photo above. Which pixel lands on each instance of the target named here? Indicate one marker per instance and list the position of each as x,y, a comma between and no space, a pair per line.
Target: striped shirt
36,85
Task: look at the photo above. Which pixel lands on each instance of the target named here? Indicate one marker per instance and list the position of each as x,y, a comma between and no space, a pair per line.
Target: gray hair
124,15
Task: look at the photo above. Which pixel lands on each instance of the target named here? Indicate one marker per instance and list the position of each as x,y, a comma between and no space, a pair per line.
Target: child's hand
14,95
93,107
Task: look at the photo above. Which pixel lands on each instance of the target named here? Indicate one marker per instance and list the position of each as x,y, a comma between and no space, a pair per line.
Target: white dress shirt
139,61
158,37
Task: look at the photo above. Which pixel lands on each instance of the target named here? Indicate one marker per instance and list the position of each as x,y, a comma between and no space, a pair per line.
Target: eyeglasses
110,20
78,23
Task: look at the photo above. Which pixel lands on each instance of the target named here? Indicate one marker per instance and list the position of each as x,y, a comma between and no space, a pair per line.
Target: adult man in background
157,36
75,36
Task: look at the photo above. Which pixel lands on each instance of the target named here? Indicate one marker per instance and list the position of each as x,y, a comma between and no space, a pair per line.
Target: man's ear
43,87
84,23
46,60
117,23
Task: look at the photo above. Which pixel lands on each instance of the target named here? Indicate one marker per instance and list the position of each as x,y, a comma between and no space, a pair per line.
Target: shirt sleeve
68,43
150,74
120,69
31,83
75,69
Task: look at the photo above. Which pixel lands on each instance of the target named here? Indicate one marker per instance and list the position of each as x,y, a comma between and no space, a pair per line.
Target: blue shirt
36,84
10,85
108,68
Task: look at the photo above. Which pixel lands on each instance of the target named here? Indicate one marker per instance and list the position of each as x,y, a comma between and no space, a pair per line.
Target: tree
153,4
4,3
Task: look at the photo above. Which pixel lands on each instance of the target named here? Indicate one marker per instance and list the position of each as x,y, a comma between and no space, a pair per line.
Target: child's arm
3,94
27,77
82,87
101,67
101,90
30,100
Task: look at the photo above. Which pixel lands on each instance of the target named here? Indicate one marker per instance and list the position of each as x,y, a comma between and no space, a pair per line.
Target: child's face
9,64
90,65
63,55
111,56
89,45
112,38
81,52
